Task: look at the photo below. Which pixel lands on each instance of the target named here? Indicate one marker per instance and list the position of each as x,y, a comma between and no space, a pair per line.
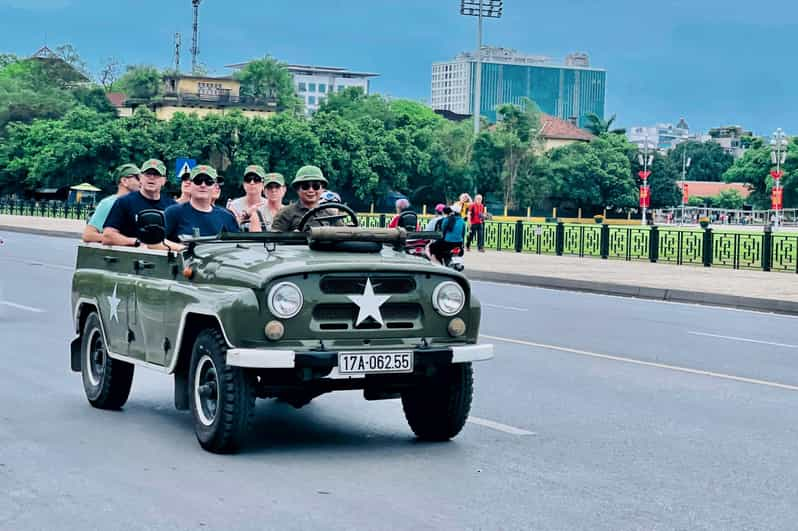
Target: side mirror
151,226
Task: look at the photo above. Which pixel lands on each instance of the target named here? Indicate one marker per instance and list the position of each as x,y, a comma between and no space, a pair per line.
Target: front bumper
256,358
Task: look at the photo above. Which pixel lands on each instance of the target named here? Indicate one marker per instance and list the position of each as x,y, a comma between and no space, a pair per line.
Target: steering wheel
328,220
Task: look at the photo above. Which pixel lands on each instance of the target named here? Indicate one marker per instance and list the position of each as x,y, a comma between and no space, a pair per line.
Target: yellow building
201,95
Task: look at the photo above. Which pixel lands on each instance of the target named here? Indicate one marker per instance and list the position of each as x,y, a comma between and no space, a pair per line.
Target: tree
109,73
753,169
517,135
598,126
729,199
141,82
269,80
7,59
708,162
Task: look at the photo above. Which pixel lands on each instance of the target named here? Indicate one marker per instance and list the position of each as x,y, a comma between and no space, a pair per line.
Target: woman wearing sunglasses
254,212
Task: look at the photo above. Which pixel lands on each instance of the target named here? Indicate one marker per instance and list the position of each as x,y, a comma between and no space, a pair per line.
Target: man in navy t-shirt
120,225
199,217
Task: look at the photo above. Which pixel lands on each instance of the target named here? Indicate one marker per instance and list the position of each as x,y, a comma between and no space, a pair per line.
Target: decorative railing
745,249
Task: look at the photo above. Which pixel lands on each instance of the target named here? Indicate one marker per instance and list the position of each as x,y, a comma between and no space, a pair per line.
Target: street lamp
480,9
645,160
685,164
778,155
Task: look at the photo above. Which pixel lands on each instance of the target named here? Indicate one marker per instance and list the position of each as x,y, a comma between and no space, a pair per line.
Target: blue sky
711,61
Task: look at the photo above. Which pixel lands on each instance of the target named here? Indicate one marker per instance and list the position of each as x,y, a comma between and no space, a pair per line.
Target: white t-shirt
239,206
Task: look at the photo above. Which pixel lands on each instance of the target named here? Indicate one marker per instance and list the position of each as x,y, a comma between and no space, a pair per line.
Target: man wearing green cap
309,184
120,226
254,213
127,179
199,217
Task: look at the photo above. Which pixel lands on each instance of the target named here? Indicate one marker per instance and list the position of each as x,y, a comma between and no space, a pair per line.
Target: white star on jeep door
369,304
113,302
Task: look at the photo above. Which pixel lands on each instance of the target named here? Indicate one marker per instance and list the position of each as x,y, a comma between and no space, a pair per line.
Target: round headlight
448,298
285,300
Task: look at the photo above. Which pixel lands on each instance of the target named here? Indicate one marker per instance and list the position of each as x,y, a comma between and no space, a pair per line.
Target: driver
309,185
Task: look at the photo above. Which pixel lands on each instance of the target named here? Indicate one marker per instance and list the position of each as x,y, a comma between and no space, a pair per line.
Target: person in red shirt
476,220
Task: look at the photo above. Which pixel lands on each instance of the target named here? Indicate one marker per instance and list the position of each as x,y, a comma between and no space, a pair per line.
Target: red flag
685,194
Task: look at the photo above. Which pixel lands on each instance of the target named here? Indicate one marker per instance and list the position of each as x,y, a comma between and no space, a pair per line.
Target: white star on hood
113,302
369,304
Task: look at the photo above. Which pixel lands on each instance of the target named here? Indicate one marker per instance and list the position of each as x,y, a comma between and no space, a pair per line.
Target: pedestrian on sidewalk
476,220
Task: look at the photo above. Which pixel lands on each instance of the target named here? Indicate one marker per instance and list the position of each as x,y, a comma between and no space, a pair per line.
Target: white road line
633,361
745,339
499,426
20,306
29,262
499,306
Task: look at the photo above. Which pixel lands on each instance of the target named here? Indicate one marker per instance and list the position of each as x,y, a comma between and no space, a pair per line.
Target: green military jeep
278,315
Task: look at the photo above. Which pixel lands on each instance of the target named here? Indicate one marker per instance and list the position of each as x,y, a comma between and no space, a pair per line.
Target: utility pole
645,160
778,154
177,53
480,9
685,164
195,36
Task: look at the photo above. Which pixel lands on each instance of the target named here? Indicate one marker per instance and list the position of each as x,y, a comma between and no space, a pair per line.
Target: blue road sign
183,165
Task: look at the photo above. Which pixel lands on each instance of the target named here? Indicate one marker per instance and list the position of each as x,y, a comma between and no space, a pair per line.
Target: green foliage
598,126
753,168
708,160
268,80
141,82
731,199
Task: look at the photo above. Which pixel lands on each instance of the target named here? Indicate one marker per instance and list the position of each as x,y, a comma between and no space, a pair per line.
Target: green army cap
274,178
204,169
125,170
308,173
255,169
154,164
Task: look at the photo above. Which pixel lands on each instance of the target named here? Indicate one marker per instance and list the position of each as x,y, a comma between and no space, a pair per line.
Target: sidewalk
752,290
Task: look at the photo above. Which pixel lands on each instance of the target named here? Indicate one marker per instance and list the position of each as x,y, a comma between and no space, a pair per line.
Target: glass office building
567,91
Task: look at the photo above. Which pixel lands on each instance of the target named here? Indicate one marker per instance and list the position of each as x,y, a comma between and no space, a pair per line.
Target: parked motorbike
454,259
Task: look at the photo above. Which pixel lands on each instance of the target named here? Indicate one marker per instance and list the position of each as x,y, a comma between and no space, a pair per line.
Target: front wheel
106,381
221,397
437,409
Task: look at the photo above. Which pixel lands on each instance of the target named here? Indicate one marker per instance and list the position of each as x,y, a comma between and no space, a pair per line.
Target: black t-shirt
123,214
182,219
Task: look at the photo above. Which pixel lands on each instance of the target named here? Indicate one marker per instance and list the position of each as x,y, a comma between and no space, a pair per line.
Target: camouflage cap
126,170
308,173
256,169
204,169
274,178
154,164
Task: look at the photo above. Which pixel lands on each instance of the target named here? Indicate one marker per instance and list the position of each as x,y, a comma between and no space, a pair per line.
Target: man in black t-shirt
120,225
199,217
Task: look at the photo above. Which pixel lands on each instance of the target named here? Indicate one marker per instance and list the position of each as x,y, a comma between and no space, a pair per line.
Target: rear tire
437,409
106,381
221,397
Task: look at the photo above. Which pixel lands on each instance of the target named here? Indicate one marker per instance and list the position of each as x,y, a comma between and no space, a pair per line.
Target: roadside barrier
765,251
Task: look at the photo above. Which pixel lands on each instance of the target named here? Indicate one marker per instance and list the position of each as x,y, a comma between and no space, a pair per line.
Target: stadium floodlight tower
480,9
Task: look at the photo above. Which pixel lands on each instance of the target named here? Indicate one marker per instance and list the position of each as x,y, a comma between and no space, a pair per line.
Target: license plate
374,362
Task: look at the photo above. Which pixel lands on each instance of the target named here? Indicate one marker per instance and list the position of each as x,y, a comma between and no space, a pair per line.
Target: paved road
598,413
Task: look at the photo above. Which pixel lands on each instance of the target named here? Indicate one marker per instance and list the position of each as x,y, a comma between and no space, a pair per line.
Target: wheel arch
192,323
84,308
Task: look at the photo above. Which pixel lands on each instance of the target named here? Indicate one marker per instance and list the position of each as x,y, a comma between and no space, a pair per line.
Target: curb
639,292
42,232
566,284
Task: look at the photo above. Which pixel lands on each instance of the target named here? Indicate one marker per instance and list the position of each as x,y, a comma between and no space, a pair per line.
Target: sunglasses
273,186
134,176
252,179
203,179
316,185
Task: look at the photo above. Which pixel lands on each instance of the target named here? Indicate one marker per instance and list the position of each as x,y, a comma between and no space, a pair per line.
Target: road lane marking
498,426
29,262
633,361
745,339
21,306
499,306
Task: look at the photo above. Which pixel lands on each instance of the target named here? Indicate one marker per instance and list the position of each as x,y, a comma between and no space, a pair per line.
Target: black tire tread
237,405
117,375
438,409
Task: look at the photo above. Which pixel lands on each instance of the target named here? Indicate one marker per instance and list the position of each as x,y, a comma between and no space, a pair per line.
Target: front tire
437,409
106,381
221,397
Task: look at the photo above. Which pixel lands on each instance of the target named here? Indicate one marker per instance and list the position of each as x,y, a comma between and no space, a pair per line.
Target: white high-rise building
314,83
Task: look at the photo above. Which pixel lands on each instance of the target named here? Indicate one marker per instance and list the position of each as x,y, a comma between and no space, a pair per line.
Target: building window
311,87
311,100
302,86
322,88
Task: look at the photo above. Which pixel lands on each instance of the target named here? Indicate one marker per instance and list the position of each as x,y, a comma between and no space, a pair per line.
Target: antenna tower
195,36
177,52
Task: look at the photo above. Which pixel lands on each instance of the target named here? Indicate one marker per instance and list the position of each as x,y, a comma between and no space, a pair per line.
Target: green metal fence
765,250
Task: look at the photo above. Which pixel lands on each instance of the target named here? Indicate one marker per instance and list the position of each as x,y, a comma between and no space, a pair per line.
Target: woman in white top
254,212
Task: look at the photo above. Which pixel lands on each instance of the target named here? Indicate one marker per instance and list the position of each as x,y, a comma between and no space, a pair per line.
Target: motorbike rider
453,229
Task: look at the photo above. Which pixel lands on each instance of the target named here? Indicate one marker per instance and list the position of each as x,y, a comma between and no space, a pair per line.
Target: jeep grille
355,284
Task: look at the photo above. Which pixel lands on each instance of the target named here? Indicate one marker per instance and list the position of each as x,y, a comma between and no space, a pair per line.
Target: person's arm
92,235
282,222
254,219
112,236
394,222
